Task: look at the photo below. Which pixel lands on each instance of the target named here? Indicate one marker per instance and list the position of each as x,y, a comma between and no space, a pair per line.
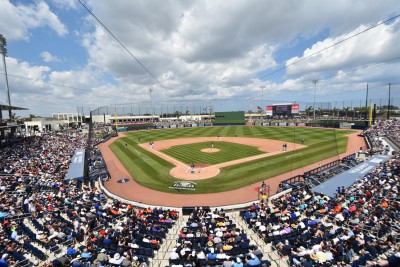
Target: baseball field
240,161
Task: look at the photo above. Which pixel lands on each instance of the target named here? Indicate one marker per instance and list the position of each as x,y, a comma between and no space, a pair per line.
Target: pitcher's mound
210,150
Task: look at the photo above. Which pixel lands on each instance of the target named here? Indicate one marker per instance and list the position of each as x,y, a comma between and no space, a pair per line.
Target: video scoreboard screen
282,109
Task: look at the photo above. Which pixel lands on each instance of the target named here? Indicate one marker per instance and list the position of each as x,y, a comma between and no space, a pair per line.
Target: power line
346,72
126,49
328,47
61,85
373,85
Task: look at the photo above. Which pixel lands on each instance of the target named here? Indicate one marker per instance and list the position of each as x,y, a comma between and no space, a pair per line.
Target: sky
231,55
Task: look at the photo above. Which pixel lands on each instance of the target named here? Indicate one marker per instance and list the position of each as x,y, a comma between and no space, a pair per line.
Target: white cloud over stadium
197,50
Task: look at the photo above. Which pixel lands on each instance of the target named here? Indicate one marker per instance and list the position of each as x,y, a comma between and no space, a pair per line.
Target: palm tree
334,110
31,116
14,117
346,110
309,110
320,111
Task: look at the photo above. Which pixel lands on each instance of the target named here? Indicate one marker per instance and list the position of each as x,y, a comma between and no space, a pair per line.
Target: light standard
315,90
193,110
3,51
151,103
262,101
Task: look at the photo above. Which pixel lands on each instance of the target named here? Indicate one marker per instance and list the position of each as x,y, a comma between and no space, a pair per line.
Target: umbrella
3,214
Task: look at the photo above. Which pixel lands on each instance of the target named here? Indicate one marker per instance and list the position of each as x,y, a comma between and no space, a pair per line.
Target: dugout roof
76,169
350,176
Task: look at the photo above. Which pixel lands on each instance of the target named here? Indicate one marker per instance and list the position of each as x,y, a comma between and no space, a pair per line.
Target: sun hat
313,256
117,256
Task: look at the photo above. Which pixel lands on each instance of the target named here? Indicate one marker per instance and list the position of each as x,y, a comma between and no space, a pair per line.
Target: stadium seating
44,218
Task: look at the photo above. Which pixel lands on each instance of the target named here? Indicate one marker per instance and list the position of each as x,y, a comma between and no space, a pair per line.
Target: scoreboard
282,109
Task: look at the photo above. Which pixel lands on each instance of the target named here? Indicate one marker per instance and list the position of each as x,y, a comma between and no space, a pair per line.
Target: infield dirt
182,171
136,192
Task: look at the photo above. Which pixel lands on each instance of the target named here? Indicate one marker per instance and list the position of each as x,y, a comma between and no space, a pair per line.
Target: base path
182,170
133,191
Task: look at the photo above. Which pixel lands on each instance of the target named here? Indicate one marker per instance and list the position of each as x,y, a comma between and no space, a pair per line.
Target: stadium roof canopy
7,107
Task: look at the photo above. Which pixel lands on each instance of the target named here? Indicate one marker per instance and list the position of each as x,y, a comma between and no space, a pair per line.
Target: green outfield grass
151,171
227,151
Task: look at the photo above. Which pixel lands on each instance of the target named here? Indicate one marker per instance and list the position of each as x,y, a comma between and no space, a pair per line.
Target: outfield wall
229,118
145,206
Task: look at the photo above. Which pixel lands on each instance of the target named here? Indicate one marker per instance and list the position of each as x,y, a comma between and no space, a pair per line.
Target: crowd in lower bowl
359,227
41,215
210,238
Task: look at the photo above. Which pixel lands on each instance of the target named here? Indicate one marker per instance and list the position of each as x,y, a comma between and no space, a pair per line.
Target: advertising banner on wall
295,108
268,111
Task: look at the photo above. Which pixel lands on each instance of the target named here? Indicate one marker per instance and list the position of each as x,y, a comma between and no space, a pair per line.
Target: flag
259,108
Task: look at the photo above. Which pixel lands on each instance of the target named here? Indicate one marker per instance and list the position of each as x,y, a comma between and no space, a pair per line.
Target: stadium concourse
46,221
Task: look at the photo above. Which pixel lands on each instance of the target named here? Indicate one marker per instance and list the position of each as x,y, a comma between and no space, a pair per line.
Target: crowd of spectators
41,215
60,223
31,173
385,128
276,120
177,123
359,227
210,238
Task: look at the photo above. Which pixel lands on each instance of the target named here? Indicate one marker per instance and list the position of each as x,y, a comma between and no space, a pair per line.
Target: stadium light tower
262,102
315,90
3,51
151,103
262,96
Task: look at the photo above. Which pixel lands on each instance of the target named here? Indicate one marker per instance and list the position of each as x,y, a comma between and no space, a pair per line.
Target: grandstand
49,222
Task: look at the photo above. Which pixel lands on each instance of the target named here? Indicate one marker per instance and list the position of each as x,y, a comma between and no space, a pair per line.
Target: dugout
229,118
357,124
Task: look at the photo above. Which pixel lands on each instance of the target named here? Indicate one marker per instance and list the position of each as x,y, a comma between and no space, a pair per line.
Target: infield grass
227,151
151,171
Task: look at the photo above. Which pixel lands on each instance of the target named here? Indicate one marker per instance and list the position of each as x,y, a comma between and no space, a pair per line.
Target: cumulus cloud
16,21
44,90
198,50
48,57
210,46
375,45
65,4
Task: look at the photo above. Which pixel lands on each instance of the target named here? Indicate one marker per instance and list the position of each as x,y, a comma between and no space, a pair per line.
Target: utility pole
3,51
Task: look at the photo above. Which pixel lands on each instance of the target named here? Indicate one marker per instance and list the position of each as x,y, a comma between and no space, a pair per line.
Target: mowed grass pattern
151,171
191,153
